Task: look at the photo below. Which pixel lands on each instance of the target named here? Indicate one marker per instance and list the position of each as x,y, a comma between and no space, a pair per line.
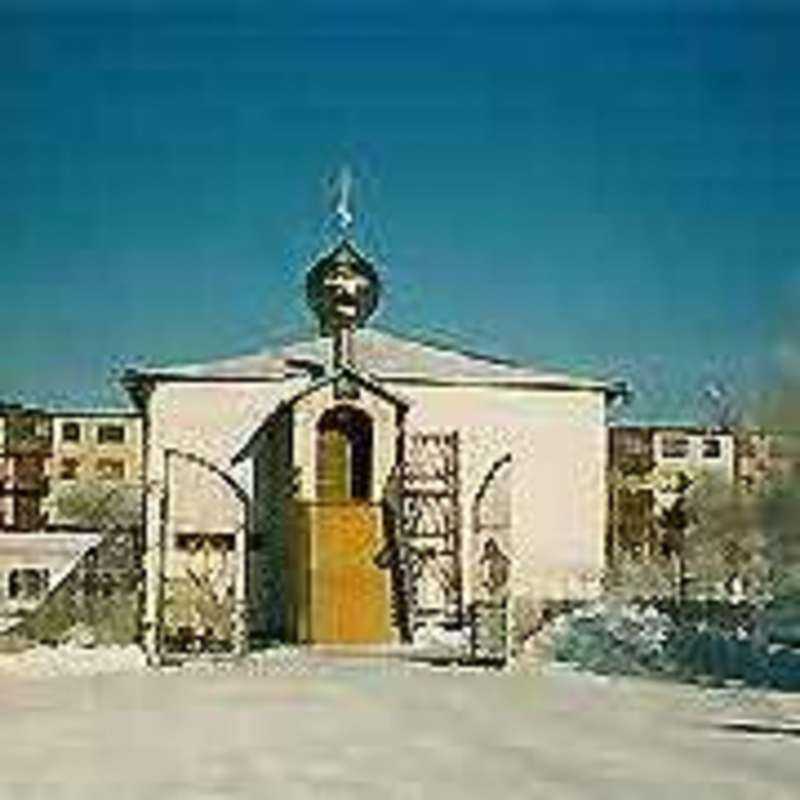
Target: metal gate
490,551
490,558
201,600
430,530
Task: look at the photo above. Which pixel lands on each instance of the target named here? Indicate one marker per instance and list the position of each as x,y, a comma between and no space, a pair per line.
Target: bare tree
100,600
100,506
780,510
723,410
724,548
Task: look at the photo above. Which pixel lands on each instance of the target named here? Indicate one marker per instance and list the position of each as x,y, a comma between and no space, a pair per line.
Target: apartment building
43,452
92,447
648,464
765,457
26,442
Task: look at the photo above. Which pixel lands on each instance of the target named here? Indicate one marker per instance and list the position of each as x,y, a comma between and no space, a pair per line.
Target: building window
110,469
27,583
675,447
69,469
195,542
712,448
22,428
634,443
111,434
71,432
28,432
27,512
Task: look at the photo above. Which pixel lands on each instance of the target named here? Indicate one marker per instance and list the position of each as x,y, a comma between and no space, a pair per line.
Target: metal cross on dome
342,287
343,208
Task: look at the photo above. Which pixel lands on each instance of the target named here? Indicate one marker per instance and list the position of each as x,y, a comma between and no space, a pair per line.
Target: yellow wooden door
349,594
333,466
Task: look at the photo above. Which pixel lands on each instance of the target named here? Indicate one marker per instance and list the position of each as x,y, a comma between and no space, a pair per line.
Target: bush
113,620
628,639
620,639
784,669
699,651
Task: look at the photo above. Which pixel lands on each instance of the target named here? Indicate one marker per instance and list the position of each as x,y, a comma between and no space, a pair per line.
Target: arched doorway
348,592
344,455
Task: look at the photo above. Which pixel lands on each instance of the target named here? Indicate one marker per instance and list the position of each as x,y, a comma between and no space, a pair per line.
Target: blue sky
606,187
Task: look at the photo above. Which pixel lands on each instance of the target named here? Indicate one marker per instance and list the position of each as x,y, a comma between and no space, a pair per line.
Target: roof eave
503,383
415,380
167,376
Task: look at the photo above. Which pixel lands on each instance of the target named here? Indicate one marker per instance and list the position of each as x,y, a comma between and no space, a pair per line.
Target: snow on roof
383,356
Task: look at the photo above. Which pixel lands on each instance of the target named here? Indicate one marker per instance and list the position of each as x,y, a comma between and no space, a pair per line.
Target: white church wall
557,440
558,444
212,421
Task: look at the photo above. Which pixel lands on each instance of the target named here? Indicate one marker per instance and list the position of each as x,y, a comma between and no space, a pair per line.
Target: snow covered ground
65,660
291,723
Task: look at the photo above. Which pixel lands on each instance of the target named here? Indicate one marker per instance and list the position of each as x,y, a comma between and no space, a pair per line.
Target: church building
359,487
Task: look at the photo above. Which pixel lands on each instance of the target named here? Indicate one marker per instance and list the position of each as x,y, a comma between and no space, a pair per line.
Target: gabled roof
357,377
383,357
343,372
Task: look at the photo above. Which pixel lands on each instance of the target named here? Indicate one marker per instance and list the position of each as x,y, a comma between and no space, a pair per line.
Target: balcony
33,525
34,485
39,444
28,434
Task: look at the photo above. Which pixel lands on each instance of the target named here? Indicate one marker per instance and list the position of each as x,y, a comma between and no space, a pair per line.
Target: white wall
557,440
213,421
558,444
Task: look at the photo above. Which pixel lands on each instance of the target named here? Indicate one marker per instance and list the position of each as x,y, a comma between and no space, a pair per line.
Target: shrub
628,639
611,638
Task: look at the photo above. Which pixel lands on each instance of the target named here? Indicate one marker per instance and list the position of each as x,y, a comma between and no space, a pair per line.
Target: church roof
382,356
327,380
